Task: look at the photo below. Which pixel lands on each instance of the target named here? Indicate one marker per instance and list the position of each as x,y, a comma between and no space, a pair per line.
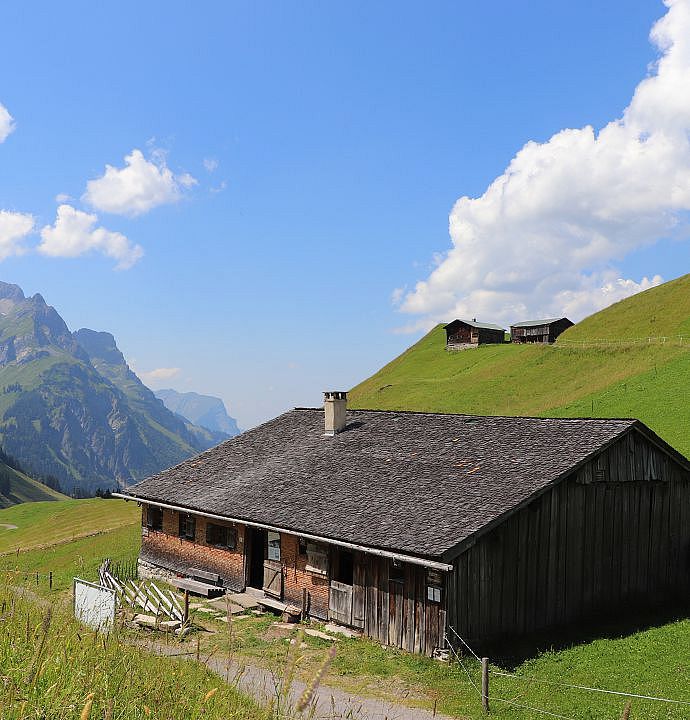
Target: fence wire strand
529,678
462,665
590,689
529,707
455,632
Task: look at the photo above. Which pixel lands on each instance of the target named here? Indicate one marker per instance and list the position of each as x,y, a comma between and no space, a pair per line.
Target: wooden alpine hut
462,334
409,526
539,331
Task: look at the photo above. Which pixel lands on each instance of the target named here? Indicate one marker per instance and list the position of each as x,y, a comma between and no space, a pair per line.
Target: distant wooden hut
539,331
461,334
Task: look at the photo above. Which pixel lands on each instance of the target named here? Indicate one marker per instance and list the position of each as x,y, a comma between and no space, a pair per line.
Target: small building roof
475,324
417,483
537,323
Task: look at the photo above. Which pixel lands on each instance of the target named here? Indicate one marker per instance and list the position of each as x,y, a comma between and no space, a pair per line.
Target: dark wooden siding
615,534
399,613
546,333
459,334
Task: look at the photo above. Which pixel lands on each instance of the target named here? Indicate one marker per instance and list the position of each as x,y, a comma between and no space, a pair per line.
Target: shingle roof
417,483
536,323
475,324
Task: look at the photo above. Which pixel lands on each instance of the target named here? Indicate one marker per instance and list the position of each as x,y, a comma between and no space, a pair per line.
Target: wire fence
459,641
671,340
124,569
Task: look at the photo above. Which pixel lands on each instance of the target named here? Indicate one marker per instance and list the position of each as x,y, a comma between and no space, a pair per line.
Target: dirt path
331,703
8,526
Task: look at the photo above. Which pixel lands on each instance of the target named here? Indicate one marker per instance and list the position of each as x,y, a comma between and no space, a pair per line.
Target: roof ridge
474,415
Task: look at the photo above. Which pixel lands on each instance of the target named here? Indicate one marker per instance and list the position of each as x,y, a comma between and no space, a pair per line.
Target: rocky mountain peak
205,411
8,291
100,346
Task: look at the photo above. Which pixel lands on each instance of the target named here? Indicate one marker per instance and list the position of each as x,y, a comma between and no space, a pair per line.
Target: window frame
187,521
317,558
273,546
150,510
396,572
225,536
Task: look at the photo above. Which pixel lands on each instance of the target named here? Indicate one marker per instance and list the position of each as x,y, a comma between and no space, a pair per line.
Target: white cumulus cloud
546,235
14,227
163,373
6,123
137,187
75,233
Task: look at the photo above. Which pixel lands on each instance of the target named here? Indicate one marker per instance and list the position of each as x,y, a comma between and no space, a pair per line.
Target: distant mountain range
204,411
72,409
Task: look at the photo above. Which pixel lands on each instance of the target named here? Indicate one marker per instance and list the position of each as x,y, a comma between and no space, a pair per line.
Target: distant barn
539,331
461,334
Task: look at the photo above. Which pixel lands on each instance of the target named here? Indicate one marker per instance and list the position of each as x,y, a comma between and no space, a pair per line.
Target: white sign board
94,605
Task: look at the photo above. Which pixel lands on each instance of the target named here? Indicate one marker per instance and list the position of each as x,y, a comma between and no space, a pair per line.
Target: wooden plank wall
398,613
616,533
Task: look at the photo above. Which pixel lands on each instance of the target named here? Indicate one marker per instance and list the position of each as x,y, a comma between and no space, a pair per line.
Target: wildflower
86,712
308,694
209,695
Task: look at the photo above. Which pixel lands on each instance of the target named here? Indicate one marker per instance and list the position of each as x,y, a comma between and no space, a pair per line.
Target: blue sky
309,156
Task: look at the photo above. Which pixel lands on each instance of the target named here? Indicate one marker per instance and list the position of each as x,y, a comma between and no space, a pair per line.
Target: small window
274,546
187,526
344,567
433,593
317,558
302,546
396,571
154,518
221,536
434,585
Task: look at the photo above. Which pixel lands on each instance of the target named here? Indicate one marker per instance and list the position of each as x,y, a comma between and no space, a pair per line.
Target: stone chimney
335,411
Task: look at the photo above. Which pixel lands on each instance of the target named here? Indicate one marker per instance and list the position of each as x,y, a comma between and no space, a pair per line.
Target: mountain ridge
205,411
88,421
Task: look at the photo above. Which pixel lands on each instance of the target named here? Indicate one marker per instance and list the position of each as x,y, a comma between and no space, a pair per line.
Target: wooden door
359,583
340,603
273,578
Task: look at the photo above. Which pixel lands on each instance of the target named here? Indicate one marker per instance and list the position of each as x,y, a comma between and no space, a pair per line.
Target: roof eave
428,562
471,539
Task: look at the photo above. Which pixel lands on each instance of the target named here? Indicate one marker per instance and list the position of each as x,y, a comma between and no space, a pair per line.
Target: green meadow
605,366
654,660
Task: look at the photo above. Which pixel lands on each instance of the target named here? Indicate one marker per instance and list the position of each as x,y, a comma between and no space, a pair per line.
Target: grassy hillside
41,524
653,661
53,668
661,311
578,376
16,487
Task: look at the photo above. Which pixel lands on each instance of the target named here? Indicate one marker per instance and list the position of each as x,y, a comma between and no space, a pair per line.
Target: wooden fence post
185,617
485,684
50,579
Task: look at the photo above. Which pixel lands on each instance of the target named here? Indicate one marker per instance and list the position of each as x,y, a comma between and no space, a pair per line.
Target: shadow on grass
509,652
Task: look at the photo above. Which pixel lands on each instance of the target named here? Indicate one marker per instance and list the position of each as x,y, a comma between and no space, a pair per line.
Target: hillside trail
330,703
